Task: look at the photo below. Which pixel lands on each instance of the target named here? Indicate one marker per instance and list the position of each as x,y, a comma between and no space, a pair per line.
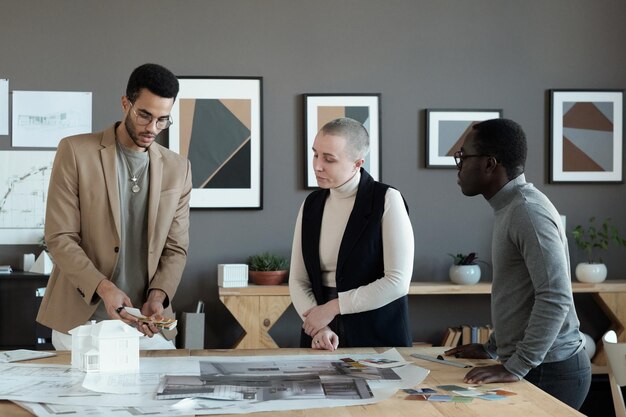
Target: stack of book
475,334
465,334
451,337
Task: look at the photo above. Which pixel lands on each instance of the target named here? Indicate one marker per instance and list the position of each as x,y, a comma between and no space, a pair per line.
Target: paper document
23,355
241,384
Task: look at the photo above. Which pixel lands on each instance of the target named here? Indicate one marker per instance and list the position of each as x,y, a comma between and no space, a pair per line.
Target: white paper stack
232,275
6,269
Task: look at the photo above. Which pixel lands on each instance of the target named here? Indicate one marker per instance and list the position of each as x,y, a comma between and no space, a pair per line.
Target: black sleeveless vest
360,262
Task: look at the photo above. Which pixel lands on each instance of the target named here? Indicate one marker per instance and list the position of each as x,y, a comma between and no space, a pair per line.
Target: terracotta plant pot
267,277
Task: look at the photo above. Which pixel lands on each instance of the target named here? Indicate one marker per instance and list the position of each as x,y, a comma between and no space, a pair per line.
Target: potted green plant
267,269
465,269
594,239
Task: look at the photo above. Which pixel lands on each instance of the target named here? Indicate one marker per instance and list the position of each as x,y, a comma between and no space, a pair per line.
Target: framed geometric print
446,131
320,109
218,127
586,141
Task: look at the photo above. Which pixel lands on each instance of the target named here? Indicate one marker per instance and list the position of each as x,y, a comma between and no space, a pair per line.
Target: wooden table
258,307
529,401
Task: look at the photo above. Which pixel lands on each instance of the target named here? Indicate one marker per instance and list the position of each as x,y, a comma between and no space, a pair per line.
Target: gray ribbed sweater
532,306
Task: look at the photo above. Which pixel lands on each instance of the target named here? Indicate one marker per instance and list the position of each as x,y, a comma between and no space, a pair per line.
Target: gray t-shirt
131,271
532,305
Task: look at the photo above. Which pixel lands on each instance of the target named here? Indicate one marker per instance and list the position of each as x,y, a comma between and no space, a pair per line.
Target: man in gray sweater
536,330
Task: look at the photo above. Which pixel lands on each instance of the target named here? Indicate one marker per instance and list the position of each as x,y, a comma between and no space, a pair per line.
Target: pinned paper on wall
42,118
4,106
24,179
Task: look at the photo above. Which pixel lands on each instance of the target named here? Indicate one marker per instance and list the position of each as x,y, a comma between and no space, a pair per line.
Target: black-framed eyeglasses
144,119
459,157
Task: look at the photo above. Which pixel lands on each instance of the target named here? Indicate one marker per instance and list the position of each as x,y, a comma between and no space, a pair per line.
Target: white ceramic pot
464,274
590,273
590,346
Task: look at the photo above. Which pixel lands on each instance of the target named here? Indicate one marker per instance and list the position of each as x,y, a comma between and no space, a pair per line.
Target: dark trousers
567,380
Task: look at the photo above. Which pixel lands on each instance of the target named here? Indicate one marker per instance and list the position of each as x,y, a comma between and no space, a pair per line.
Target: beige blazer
82,228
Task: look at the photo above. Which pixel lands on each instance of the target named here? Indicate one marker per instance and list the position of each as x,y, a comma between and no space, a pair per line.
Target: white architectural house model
107,346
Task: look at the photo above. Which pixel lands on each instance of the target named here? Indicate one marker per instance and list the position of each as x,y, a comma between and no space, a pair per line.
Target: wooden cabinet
18,309
258,307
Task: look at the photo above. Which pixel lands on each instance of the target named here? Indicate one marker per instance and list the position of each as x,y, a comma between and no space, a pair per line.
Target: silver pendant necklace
134,178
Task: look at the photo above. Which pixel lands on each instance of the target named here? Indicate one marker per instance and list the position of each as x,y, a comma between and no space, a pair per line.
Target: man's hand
471,351
154,304
318,317
487,374
325,339
114,299
152,308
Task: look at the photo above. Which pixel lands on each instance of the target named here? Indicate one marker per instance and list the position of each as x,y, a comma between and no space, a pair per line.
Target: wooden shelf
255,290
599,369
258,307
428,288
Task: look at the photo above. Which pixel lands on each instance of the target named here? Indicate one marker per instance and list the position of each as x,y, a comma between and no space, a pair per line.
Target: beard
130,128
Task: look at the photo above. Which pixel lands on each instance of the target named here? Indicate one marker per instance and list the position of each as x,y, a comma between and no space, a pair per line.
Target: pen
440,359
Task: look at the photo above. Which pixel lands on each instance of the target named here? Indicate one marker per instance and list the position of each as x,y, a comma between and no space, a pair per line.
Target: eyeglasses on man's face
144,119
459,157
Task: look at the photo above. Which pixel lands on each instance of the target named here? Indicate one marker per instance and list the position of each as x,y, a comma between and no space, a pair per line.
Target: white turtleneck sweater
398,246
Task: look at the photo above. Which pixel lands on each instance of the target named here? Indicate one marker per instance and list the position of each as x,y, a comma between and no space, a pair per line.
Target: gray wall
419,54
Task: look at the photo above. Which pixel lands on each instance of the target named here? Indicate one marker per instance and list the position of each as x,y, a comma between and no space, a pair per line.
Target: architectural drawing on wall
24,178
42,118
4,106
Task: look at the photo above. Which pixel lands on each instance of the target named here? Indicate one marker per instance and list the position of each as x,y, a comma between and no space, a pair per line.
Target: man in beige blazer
117,217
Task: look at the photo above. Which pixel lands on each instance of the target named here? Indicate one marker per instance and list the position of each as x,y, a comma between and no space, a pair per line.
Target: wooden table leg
270,310
614,307
256,315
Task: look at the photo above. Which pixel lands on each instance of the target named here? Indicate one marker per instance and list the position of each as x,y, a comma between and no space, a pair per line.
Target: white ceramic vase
464,274
590,346
590,273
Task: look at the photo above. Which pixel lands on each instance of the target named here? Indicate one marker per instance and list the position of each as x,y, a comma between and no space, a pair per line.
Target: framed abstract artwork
587,130
446,131
218,127
320,109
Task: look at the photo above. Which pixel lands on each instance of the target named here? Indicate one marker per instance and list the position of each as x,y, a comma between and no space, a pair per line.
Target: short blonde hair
353,132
